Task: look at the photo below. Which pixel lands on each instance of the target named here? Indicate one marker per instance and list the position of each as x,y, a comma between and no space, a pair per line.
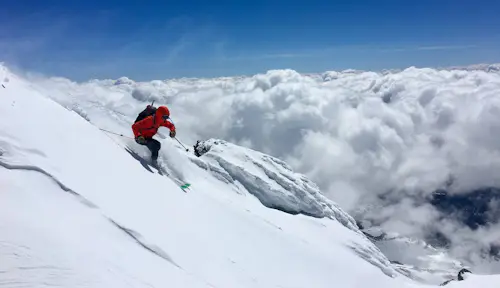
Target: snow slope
78,210
476,281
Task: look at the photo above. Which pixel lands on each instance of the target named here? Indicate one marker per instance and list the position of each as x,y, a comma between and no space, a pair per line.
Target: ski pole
115,133
187,150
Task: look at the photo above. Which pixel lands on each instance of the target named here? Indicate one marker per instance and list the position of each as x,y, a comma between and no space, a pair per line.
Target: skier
146,126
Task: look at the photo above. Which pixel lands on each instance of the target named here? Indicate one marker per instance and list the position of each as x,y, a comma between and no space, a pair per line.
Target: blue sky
163,39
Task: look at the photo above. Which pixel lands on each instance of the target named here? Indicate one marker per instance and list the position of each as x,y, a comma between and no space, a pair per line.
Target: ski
148,164
184,186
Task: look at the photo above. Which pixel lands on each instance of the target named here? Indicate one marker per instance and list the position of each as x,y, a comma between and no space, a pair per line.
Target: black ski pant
153,146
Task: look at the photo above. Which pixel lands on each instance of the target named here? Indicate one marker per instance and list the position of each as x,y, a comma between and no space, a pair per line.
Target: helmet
162,114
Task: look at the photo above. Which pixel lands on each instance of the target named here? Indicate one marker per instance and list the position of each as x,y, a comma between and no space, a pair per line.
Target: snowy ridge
271,180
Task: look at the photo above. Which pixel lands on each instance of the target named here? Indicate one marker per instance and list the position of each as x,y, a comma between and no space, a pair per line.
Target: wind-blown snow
79,210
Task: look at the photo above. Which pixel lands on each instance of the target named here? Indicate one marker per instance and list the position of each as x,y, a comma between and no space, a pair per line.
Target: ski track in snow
150,247
131,233
134,235
40,170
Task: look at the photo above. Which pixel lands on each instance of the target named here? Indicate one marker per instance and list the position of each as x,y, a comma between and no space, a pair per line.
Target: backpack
149,111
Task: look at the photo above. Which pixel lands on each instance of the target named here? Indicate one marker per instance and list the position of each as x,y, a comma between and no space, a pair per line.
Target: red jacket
148,126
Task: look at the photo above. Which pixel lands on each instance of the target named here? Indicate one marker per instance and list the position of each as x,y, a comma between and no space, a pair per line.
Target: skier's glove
172,133
140,140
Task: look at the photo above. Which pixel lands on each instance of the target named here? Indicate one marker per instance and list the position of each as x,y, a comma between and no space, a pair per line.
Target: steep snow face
78,210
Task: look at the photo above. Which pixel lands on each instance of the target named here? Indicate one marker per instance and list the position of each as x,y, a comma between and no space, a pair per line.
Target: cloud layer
379,144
